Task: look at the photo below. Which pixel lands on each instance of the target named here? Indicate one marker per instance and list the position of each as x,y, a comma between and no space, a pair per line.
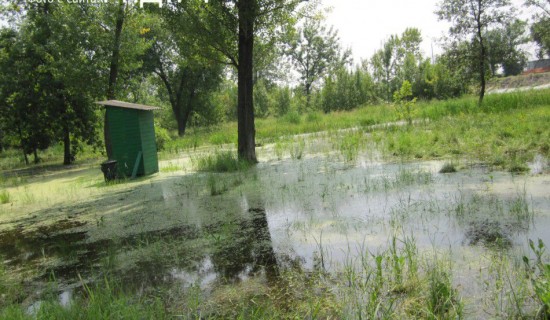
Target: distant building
538,66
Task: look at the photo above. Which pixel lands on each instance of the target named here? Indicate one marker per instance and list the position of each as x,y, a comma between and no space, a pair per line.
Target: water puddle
309,214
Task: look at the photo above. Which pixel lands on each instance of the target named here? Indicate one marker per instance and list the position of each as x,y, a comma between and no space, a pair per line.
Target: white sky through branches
363,25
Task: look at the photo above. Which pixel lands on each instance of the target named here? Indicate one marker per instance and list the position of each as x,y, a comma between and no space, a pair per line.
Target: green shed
130,138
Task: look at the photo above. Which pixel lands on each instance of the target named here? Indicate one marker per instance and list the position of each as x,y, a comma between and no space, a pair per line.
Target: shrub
161,137
292,117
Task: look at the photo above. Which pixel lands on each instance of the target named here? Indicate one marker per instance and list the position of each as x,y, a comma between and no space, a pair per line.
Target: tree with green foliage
471,19
24,122
187,78
540,29
409,55
346,90
458,64
315,52
397,60
230,29
384,67
405,101
504,48
54,54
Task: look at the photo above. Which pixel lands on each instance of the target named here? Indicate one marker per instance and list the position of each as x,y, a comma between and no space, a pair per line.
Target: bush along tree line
208,62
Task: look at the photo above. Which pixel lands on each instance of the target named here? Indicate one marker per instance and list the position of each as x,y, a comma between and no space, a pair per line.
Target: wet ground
186,229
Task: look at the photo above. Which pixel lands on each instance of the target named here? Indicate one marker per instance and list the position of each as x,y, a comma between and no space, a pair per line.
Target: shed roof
122,104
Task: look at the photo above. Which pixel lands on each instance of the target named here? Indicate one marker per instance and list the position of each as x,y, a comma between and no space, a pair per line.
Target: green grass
506,132
477,137
446,123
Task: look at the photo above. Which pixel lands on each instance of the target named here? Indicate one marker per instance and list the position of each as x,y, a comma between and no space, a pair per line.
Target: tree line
206,62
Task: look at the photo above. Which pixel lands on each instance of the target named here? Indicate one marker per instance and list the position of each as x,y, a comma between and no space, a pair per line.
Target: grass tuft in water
519,207
448,167
222,161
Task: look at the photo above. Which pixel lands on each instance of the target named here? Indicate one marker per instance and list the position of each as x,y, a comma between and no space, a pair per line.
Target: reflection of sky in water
313,199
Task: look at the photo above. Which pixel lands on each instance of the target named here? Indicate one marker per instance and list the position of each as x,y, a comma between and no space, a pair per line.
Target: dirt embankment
519,83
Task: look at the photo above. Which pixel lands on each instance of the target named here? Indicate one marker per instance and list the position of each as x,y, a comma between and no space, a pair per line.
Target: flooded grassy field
317,229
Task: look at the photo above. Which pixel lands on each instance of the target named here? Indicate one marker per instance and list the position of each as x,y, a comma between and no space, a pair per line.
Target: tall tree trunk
182,112
245,106
308,96
482,71
35,154
113,73
67,157
22,147
182,118
482,55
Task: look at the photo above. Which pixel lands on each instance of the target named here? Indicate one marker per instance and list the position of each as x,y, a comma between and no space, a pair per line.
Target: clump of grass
518,168
448,167
216,188
297,149
4,197
224,161
279,149
171,167
519,207
350,144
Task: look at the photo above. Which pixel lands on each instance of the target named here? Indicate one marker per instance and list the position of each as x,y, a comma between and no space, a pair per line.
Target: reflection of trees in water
246,248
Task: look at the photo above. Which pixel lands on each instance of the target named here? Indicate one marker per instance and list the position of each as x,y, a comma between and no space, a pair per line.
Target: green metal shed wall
132,131
148,142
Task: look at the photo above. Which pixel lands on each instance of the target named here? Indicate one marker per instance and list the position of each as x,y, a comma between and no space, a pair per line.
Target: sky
363,25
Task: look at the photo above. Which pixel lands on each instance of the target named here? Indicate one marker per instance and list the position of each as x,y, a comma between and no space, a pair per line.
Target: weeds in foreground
390,285
102,301
539,274
443,300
